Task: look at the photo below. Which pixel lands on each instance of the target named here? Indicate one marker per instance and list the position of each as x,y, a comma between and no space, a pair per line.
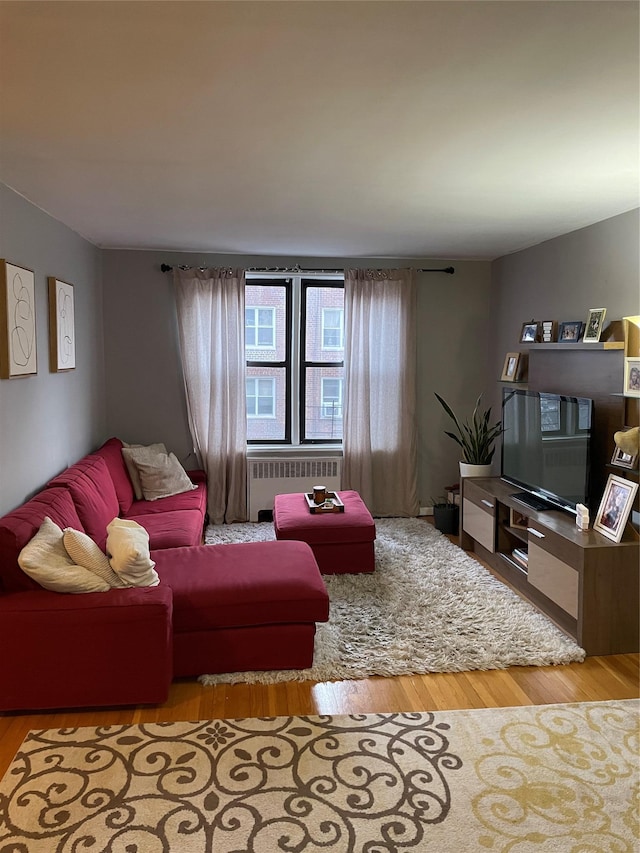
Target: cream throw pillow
146,453
128,552
163,477
46,560
84,552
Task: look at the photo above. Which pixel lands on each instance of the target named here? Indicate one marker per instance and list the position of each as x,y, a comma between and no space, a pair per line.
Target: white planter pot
468,470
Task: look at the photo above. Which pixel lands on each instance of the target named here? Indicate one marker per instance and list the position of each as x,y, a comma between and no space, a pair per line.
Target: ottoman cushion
341,541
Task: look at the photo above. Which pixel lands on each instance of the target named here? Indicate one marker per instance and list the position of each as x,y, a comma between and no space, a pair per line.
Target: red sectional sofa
218,608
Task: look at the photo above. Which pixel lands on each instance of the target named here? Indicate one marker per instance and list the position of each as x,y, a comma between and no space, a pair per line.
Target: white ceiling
385,129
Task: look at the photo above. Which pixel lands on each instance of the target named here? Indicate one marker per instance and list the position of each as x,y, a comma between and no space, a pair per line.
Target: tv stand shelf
588,585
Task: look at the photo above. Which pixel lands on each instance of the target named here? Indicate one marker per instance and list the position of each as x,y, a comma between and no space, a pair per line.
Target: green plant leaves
476,436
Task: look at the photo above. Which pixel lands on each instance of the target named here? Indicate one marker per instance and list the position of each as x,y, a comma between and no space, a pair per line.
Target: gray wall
145,396
561,279
49,420
128,380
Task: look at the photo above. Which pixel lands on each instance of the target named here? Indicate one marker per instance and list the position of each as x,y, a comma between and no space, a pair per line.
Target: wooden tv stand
587,584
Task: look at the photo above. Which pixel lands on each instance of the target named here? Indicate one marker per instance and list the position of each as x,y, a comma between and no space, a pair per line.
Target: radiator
270,477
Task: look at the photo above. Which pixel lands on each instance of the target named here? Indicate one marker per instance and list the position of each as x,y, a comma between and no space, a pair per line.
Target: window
259,327
331,398
294,341
332,328
260,398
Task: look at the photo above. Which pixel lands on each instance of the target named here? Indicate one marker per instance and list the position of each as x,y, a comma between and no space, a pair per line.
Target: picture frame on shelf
62,336
569,332
18,342
594,325
549,331
624,460
631,386
518,520
510,368
615,506
530,333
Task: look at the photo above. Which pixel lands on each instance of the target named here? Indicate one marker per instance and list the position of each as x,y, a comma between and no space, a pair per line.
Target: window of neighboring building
259,327
332,328
331,398
260,398
294,337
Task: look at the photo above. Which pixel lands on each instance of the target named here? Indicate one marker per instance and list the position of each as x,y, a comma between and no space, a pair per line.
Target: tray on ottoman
331,504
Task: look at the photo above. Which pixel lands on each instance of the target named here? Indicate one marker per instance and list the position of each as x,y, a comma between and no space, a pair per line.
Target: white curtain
210,306
379,440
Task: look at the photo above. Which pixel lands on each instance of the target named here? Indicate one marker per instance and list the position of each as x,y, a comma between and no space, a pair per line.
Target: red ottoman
341,541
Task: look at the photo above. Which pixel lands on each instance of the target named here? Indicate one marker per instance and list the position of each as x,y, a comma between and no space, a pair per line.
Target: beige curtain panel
210,309
380,436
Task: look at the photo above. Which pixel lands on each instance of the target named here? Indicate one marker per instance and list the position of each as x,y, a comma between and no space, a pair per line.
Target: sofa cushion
163,478
93,494
111,452
45,559
128,552
254,583
195,499
132,453
172,529
84,552
20,526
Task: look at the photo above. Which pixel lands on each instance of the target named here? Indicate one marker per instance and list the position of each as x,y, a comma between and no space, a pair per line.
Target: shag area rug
428,607
518,780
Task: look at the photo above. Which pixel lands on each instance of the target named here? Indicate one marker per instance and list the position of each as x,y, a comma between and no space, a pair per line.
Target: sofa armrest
96,649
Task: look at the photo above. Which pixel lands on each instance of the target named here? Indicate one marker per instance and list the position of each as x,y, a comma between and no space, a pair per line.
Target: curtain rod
297,269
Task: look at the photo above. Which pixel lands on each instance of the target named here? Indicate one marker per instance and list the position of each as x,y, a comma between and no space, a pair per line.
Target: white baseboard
426,510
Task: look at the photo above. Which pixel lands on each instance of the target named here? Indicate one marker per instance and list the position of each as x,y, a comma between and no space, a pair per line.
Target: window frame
306,283
287,284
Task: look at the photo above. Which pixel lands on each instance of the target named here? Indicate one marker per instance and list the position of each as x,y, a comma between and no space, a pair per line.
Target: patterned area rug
428,607
523,780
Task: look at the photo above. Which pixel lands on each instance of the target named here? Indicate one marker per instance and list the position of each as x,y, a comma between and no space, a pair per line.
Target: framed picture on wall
615,507
62,335
17,321
593,328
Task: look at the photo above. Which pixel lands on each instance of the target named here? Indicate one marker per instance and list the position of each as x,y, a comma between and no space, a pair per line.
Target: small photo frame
530,332
569,332
510,368
17,321
631,385
624,460
594,324
549,331
615,507
62,335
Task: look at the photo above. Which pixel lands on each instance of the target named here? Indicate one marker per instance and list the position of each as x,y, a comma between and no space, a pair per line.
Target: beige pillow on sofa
84,552
131,453
128,552
163,477
45,559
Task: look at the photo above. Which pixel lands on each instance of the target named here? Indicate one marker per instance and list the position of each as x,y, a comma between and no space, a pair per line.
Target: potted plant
476,437
445,515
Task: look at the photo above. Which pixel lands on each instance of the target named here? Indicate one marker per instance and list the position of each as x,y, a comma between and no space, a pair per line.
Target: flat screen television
546,447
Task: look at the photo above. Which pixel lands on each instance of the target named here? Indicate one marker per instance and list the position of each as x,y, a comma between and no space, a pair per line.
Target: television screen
545,446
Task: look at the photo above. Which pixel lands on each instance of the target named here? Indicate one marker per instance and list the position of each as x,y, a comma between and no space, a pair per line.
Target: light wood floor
598,678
